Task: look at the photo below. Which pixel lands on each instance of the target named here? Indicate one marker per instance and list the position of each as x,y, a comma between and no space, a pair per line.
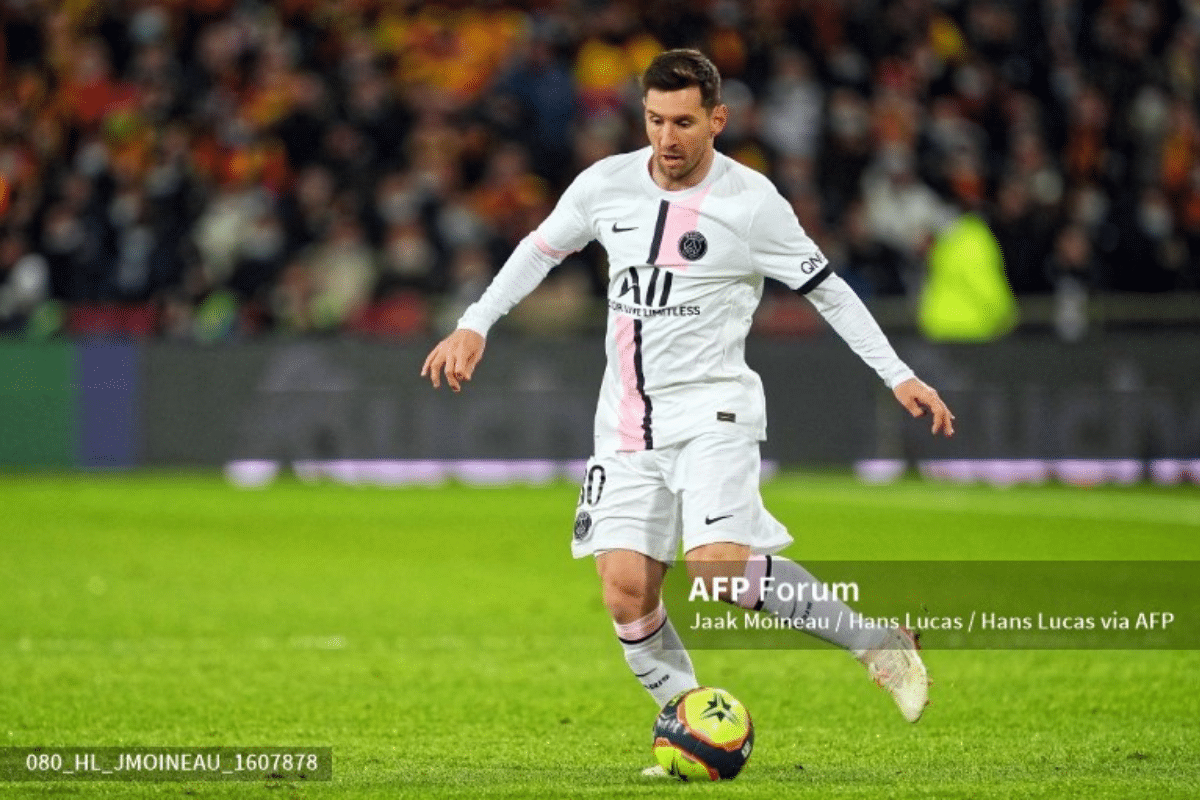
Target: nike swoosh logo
711,520
615,229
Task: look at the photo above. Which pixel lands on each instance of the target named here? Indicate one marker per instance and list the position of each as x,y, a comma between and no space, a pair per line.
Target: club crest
693,245
583,525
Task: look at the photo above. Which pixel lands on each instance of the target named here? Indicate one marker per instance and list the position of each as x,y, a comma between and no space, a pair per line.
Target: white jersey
686,273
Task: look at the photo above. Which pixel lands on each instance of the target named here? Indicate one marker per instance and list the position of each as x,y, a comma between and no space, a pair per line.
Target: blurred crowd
213,168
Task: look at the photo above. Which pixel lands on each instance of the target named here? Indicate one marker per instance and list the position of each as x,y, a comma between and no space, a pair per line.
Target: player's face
681,133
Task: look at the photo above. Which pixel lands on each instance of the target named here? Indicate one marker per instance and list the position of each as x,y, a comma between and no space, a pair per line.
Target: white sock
656,655
828,617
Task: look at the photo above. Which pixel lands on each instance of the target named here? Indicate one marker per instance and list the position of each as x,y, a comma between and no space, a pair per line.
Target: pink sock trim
641,628
756,570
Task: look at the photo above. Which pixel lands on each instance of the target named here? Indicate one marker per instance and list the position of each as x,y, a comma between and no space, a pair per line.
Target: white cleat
897,667
655,772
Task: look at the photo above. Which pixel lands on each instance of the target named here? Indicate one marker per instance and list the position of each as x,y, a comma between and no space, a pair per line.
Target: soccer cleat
655,772
897,667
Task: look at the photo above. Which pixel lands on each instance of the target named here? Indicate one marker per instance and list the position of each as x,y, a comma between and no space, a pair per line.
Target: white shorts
701,491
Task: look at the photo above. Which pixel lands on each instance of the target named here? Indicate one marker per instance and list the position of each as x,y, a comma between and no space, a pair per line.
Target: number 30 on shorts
593,486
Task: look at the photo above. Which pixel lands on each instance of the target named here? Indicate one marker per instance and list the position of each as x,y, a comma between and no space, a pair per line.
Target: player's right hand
456,357
919,397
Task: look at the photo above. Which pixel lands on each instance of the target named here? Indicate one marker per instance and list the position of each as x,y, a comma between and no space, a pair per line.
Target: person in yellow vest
966,296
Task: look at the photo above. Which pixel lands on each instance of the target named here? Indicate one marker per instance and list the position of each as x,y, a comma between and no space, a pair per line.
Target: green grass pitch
444,644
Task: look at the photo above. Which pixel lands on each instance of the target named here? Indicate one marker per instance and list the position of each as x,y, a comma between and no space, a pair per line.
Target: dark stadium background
232,229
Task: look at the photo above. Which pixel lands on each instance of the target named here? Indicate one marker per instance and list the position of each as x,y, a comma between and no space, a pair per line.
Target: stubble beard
676,171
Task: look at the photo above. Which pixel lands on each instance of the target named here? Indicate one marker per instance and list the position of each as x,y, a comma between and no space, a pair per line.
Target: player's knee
629,597
631,585
631,582
717,566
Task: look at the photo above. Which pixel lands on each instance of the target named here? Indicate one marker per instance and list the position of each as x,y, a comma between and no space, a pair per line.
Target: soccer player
690,235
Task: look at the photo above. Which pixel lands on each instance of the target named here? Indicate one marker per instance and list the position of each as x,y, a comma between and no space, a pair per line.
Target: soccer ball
703,734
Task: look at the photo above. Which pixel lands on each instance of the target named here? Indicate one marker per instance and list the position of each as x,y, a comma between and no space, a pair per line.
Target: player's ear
718,118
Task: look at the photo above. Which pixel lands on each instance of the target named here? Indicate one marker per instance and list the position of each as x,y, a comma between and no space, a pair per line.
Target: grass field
444,644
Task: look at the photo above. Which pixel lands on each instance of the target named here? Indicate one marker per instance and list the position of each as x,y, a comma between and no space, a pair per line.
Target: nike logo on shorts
615,229
711,520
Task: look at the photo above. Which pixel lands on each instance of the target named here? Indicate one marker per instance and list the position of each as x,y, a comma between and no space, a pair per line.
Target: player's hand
456,357
921,398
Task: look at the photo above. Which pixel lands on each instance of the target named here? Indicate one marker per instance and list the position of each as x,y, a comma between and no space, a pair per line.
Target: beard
676,168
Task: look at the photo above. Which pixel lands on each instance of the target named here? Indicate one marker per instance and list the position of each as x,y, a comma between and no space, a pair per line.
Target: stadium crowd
211,168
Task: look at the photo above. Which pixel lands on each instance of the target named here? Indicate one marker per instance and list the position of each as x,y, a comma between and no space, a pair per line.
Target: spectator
1023,235
847,151
871,267
1149,245
342,273
408,259
509,193
1073,271
902,211
610,59
792,106
539,80
470,273
965,296
164,153
24,281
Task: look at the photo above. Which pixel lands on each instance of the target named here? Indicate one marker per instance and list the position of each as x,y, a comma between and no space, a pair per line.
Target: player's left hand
921,398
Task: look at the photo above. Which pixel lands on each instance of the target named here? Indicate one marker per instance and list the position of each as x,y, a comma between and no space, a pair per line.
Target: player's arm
566,230
785,252
458,354
848,315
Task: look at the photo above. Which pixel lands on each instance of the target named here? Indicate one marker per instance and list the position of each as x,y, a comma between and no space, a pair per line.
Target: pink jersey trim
682,216
542,245
631,409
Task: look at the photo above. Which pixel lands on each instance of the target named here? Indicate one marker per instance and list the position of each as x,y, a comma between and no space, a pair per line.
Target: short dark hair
673,70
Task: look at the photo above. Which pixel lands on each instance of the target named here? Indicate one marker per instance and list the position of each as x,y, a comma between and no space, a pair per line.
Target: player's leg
631,584
728,533
826,618
890,655
629,521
